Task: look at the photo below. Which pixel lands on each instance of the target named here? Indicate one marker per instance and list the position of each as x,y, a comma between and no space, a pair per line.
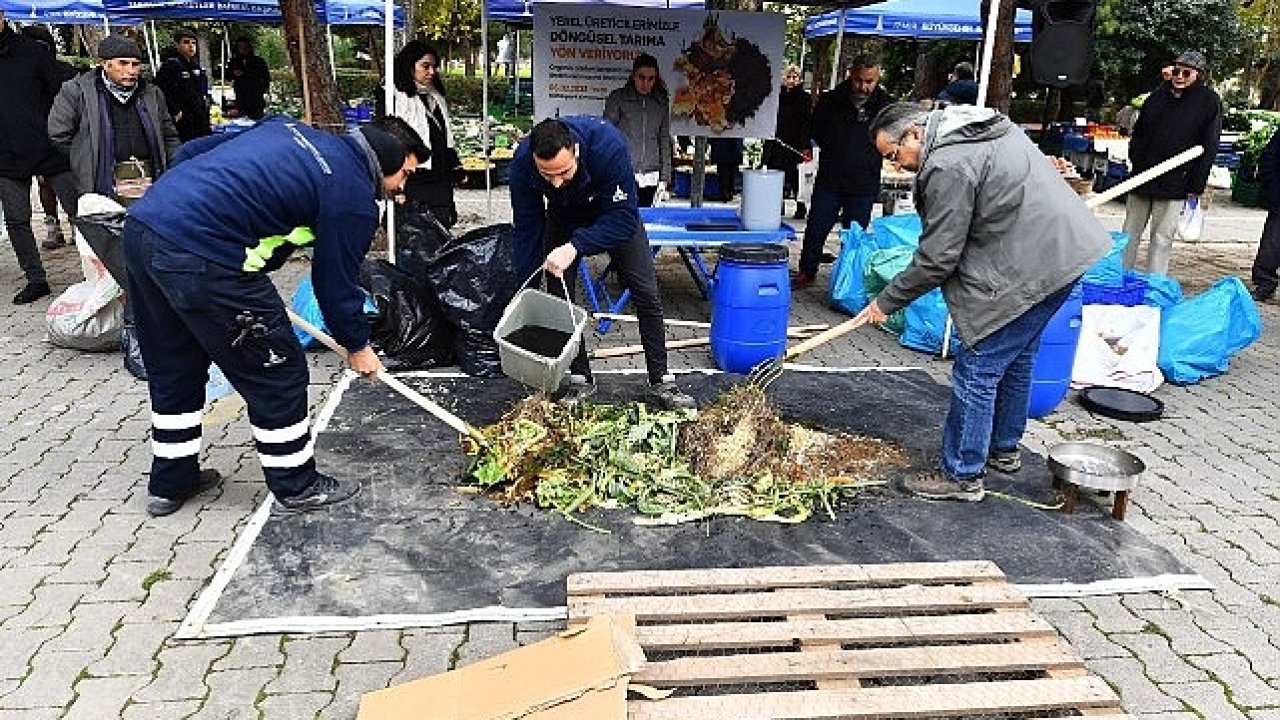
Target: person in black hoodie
185,86
28,81
790,140
1180,114
848,180
250,79
53,237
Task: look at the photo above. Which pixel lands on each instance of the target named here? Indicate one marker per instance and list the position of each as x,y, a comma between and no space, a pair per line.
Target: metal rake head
765,372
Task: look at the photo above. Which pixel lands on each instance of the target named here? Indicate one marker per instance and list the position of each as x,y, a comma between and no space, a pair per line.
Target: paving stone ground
92,589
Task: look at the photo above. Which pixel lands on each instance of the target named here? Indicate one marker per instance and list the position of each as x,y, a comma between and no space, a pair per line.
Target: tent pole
988,51
835,61
484,106
388,91
333,66
155,43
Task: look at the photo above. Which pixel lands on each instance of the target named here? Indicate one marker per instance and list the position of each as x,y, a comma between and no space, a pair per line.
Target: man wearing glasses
848,181
185,86
1181,113
1006,239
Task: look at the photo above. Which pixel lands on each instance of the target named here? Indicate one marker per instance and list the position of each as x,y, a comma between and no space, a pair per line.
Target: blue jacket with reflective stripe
230,200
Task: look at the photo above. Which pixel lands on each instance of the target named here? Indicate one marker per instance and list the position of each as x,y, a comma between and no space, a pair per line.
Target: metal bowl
1095,466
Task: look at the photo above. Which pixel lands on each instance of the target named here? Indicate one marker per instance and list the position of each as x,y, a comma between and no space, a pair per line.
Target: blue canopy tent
331,12
920,19
61,12
522,10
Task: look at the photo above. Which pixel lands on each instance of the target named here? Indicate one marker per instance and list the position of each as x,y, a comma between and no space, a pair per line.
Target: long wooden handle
409,393
843,328
1116,191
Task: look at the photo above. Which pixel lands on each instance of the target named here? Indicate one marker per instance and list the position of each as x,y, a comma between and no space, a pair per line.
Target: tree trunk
821,64
90,36
305,40
926,79
1000,85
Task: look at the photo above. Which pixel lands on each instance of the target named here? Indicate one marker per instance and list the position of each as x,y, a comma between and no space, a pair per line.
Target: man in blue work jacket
198,247
573,193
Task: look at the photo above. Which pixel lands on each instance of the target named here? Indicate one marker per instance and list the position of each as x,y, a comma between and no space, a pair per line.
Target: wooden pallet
916,640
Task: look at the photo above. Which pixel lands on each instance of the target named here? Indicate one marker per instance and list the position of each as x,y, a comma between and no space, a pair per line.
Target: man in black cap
186,86
113,125
1180,114
198,246
28,81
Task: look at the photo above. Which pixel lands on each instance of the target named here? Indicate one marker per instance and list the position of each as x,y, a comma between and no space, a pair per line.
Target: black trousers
633,262
1266,262
187,311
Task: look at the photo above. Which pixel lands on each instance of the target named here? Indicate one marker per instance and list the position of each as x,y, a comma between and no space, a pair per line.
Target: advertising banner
721,68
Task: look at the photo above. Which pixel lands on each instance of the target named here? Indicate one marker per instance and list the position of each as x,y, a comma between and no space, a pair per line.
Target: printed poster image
721,68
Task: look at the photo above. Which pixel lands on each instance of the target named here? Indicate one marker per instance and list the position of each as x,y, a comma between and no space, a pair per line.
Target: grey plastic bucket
535,307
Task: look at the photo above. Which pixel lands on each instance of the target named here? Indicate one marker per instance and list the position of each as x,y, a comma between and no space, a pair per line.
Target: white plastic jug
761,199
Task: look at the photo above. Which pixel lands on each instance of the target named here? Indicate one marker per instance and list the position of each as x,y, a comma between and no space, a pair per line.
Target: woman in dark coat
791,140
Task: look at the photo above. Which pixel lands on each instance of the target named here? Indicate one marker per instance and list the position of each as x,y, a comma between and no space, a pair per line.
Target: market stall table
689,231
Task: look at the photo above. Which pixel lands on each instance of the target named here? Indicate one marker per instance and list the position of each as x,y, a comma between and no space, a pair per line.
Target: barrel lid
1121,404
754,253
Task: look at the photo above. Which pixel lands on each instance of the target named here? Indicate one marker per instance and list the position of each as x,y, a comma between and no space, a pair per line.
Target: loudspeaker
1062,41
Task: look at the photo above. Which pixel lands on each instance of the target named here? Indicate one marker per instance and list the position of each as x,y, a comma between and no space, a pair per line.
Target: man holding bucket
573,193
1007,240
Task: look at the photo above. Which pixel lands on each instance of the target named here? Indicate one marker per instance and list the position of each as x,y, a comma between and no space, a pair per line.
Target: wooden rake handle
1119,189
823,337
409,393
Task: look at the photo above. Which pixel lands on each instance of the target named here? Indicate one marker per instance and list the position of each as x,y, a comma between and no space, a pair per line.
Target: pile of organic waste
735,457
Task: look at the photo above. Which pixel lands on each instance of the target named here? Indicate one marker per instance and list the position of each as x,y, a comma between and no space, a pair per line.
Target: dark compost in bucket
539,340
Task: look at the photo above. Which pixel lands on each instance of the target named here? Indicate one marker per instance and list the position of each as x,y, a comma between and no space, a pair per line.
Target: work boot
577,389
53,238
160,506
324,491
935,485
1007,462
1262,295
800,211
31,293
670,396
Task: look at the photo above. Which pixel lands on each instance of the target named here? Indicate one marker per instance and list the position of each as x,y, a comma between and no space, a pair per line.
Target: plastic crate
1129,293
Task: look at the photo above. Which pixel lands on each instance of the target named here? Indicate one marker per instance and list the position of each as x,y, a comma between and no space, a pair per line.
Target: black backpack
1062,41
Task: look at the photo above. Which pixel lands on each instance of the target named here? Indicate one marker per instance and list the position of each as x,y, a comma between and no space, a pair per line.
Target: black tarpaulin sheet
411,544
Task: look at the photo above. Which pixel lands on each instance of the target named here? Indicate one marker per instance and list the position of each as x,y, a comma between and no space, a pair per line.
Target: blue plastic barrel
1051,374
750,305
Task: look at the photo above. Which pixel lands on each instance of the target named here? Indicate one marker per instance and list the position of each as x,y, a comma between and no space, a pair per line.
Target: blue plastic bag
848,293
1162,290
305,305
925,322
1199,336
896,230
1109,270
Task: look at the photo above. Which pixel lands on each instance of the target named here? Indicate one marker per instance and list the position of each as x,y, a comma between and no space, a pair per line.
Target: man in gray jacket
114,125
1007,240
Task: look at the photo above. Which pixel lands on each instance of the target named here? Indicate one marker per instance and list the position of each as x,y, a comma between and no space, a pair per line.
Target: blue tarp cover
924,19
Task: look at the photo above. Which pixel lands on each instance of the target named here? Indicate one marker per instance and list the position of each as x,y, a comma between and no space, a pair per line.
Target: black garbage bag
419,238
410,328
131,350
103,232
474,279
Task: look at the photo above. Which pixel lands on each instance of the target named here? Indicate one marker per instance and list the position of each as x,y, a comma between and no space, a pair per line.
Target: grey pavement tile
217,524
98,698
134,650
160,710
371,646
354,680
308,665
180,667
1158,659
1111,616
253,651
51,682
485,640
1233,671
20,646
429,653
168,599
1184,635
18,583
124,582
198,560
1273,714
233,694
51,606
1207,699
295,705
29,713
91,628
1137,692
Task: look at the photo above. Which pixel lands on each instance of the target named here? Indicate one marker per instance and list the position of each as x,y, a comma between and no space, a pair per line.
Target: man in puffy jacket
198,246
186,86
28,81
1179,114
573,194
1006,238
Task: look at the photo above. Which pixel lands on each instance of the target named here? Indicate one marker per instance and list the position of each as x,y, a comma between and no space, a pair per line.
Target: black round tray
1121,404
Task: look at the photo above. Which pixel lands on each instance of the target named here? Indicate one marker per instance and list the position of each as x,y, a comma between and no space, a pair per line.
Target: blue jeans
991,391
826,207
